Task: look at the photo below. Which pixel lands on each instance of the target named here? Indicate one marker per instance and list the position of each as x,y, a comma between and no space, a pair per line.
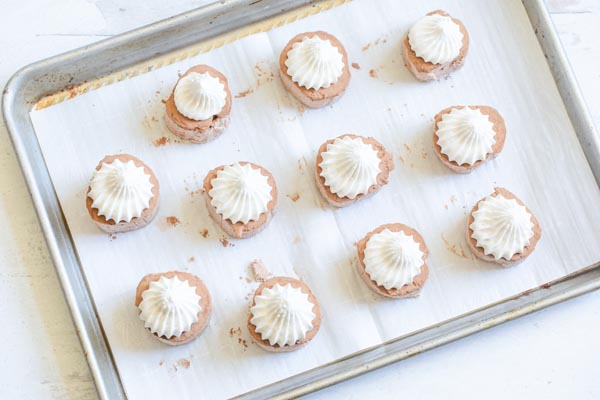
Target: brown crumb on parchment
226,242
173,221
401,159
366,47
161,362
161,141
455,249
204,233
191,259
260,272
373,73
355,66
243,342
184,362
243,94
235,332
294,196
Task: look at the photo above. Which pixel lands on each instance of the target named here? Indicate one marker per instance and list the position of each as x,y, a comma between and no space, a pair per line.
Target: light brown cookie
409,290
316,323
205,304
517,258
500,137
198,131
239,230
310,97
426,71
147,215
386,166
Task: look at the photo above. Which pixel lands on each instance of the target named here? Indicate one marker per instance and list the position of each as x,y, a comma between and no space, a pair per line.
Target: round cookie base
386,165
310,97
240,230
515,259
316,323
205,304
148,214
426,71
499,127
200,131
407,291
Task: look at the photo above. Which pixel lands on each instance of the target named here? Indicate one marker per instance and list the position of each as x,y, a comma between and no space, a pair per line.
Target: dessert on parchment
199,106
464,137
175,306
502,229
123,194
351,167
313,67
436,45
241,198
392,261
284,315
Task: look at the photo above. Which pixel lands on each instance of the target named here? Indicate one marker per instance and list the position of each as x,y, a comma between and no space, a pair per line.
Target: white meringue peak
393,259
314,63
169,307
240,193
350,167
199,96
466,135
282,315
502,227
436,39
120,190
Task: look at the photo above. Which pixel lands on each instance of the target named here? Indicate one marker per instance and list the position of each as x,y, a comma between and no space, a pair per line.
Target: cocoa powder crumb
294,196
184,362
161,141
191,259
204,233
260,272
243,94
355,65
173,221
226,242
373,73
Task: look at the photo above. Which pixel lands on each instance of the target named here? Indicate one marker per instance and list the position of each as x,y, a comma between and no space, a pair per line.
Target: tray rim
59,74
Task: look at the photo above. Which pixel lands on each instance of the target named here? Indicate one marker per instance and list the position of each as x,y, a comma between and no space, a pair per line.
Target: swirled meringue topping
120,191
314,63
199,96
169,307
282,314
436,39
502,227
466,135
393,259
350,167
240,193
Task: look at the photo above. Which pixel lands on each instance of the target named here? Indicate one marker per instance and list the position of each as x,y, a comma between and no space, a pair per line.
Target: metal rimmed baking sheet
52,218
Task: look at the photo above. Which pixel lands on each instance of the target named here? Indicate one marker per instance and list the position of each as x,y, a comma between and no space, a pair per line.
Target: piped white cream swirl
120,191
169,307
240,193
350,167
199,96
436,39
282,314
392,259
465,135
502,227
314,63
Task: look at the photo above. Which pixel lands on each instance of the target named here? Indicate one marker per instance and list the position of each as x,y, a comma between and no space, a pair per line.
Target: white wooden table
553,354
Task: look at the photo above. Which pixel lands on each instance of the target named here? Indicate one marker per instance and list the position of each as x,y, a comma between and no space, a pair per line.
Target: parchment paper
542,163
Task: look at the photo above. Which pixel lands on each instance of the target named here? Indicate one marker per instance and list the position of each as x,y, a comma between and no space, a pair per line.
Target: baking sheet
542,163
